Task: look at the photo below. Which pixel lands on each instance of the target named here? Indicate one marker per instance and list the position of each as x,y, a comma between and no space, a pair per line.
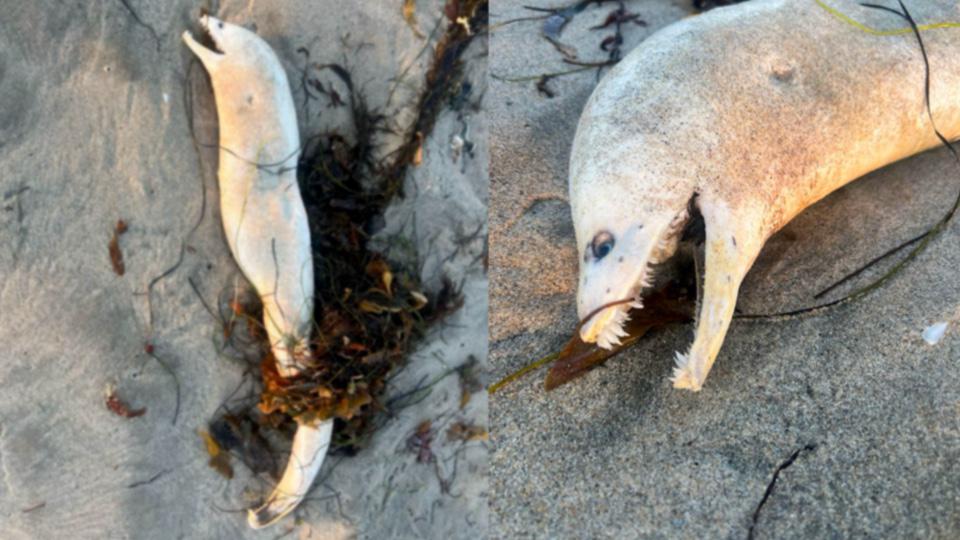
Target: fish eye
602,245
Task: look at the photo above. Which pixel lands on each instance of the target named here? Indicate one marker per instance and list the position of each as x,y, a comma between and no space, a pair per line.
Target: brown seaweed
119,407
663,307
116,255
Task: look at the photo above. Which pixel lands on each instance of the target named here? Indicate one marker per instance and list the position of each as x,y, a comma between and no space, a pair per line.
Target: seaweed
556,19
219,460
119,407
670,303
706,5
419,443
468,18
464,432
116,255
617,18
242,437
410,16
664,306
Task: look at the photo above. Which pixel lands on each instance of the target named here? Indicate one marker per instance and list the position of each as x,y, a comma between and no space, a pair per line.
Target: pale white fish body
750,113
265,221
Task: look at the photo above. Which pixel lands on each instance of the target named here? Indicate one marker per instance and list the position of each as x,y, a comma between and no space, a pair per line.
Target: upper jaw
605,328
206,23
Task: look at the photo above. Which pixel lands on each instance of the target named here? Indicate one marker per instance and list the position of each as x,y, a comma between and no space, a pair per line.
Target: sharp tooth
680,359
612,333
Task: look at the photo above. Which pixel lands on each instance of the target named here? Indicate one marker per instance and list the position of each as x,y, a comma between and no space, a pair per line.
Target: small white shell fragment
456,146
935,332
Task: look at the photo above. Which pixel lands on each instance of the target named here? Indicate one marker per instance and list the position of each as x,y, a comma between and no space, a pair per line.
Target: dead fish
746,115
265,220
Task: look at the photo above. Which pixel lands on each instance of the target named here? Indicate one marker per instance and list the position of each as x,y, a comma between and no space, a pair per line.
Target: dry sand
621,454
93,127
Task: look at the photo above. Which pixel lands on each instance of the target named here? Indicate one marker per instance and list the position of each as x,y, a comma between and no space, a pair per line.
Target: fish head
627,221
232,45
228,39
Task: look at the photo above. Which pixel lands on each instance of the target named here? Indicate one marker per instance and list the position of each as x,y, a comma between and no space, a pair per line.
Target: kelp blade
663,307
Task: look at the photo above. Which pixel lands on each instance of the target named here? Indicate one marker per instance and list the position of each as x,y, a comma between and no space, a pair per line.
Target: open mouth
208,39
605,326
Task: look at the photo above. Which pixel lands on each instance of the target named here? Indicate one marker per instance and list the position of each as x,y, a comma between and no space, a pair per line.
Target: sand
93,128
860,415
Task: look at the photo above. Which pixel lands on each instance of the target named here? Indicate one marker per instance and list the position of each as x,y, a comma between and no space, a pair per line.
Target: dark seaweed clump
370,311
704,5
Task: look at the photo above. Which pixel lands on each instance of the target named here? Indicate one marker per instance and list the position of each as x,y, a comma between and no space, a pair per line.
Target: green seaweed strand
895,32
521,372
